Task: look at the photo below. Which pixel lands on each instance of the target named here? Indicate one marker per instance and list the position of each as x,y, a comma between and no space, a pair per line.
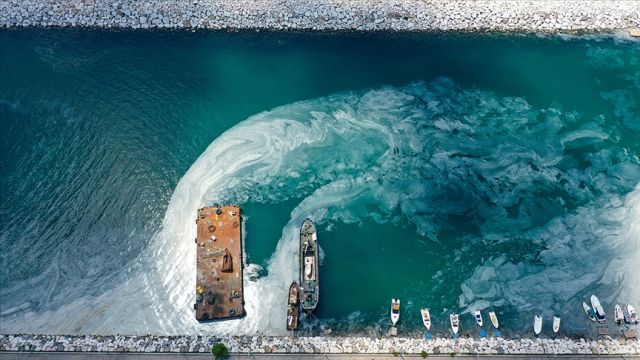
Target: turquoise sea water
452,171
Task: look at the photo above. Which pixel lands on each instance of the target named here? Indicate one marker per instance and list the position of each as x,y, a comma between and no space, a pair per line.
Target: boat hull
309,275
293,311
633,315
395,311
426,318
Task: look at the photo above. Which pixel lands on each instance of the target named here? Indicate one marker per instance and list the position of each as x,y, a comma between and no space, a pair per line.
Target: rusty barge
219,287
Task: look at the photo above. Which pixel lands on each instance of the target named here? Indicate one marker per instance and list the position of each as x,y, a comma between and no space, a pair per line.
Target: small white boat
595,304
627,318
455,323
395,311
589,311
426,318
478,316
632,314
556,324
537,324
618,315
494,319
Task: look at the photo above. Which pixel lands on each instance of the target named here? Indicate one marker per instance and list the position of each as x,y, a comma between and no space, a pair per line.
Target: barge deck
219,288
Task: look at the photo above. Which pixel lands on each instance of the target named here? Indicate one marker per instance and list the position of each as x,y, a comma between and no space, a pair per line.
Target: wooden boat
618,315
556,324
494,319
589,311
537,324
292,307
309,277
426,318
395,311
455,323
632,314
595,304
478,316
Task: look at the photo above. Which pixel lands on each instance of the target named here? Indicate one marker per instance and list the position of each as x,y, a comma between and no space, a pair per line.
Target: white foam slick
424,152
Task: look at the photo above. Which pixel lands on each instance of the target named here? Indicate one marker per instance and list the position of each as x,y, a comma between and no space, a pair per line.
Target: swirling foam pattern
431,155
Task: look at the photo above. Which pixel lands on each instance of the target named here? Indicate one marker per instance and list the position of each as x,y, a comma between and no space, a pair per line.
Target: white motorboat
618,315
494,319
589,311
537,324
426,318
632,314
556,324
395,311
455,323
292,307
595,304
478,316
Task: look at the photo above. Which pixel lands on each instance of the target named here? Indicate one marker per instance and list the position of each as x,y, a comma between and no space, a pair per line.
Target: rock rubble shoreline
546,16
316,344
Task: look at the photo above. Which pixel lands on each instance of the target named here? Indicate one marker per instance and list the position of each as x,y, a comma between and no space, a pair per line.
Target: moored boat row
454,318
395,311
537,324
309,277
595,312
494,319
292,307
426,318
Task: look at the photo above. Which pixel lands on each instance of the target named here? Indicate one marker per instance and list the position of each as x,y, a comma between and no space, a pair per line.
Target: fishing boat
556,324
395,311
589,311
292,307
309,277
455,323
426,318
632,314
494,319
478,316
537,324
618,315
595,304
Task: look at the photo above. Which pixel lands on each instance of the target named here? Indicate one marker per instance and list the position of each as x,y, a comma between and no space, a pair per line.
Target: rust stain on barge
219,289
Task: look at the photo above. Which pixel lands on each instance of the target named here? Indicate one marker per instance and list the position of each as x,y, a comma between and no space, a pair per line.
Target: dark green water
452,171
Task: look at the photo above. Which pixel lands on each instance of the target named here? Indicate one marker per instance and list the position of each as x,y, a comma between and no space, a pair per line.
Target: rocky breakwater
319,344
400,15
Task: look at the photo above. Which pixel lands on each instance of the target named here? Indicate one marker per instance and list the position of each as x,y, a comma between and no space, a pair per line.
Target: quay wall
260,344
546,16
